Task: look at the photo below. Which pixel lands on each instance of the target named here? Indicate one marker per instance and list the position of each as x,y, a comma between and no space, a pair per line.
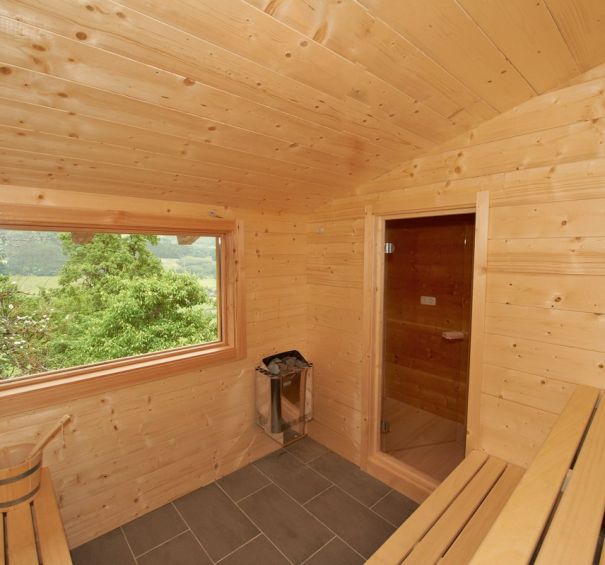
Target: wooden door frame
404,478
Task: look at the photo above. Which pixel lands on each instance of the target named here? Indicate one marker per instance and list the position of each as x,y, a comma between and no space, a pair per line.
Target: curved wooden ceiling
280,104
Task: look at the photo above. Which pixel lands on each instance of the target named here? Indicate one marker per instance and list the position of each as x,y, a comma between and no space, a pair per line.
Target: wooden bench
555,513
489,512
451,523
32,533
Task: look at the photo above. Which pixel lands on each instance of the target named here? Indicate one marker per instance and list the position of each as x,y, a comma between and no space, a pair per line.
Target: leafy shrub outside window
64,304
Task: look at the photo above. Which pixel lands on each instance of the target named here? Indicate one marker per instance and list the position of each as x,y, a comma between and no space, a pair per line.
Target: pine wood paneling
513,431
430,26
530,390
279,103
579,23
134,448
543,165
521,29
559,292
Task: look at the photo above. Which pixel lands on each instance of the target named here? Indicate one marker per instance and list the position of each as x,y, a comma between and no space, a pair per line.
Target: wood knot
188,81
5,70
81,35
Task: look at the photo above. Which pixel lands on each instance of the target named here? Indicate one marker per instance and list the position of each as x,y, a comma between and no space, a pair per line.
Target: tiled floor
303,504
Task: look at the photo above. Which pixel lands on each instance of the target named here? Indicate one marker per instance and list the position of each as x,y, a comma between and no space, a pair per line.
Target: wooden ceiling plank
442,30
351,31
262,203
94,67
527,35
45,90
15,174
582,23
77,148
242,28
25,179
58,122
64,165
134,35
347,30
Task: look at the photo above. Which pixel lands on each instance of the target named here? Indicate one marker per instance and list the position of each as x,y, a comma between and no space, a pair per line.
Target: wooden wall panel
544,166
334,320
135,448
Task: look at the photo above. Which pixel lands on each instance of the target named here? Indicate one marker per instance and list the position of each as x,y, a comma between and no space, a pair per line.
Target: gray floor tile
350,478
259,551
395,508
297,534
300,482
110,548
153,528
352,521
215,520
182,550
332,466
229,535
336,553
307,449
243,482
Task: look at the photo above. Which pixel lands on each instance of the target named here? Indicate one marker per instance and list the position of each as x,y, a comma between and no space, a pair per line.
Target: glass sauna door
427,320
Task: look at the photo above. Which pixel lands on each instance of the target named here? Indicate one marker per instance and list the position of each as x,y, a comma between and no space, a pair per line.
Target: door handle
453,335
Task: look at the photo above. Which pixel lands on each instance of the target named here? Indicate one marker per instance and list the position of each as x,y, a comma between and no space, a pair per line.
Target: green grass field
31,284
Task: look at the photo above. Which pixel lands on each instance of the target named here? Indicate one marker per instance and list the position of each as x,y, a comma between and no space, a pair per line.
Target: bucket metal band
20,476
20,499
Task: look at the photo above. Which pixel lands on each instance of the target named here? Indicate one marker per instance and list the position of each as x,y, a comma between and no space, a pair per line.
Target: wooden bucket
19,475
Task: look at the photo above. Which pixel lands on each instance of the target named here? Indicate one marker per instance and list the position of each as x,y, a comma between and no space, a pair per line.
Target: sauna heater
284,400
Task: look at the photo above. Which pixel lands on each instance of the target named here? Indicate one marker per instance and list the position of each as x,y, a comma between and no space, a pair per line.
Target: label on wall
428,300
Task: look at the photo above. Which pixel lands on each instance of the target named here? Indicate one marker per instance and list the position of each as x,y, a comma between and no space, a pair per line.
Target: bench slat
53,545
20,537
452,521
516,532
399,545
470,538
574,531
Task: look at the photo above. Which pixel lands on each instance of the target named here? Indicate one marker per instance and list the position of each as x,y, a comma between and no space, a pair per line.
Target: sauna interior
203,322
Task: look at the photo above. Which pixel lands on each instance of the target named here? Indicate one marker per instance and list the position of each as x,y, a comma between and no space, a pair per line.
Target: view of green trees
113,297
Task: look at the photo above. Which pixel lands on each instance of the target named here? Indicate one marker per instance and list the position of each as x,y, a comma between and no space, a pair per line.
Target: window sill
31,393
